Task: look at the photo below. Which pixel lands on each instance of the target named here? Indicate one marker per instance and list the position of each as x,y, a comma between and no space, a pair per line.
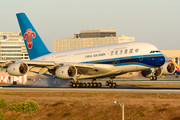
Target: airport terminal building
12,46
89,38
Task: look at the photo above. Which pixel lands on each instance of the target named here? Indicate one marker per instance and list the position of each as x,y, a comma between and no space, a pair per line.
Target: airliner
87,63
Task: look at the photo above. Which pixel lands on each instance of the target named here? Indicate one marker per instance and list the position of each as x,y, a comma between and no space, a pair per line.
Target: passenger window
116,53
131,51
125,52
121,51
137,50
112,52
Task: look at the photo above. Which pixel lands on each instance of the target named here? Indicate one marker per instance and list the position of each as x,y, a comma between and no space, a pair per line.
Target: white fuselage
125,57
104,52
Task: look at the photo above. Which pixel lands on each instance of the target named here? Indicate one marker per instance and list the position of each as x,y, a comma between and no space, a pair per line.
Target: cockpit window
155,51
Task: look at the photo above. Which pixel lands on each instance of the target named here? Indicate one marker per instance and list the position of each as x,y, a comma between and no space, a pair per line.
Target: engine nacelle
168,68
148,73
66,72
17,69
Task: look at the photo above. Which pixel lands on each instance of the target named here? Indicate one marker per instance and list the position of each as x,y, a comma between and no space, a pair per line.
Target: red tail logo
29,35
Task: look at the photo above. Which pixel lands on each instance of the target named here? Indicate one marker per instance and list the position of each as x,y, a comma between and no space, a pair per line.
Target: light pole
122,106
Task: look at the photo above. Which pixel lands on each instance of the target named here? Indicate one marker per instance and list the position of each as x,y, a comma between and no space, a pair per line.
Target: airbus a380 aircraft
93,62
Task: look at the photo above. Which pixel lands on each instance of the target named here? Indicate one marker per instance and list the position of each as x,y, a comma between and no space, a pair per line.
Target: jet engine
66,72
17,69
166,69
151,72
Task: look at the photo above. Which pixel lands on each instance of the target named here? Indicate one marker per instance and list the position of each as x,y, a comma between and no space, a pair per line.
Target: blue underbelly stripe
123,58
146,60
125,64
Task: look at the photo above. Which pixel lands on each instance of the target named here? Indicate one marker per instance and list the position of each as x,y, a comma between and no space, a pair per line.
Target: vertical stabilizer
34,44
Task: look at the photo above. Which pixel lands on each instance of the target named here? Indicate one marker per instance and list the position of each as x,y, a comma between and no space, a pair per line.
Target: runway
63,85
120,89
148,81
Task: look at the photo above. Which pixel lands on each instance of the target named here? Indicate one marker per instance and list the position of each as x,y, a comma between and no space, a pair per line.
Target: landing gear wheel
71,83
78,85
110,85
107,83
74,85
95,85
83,85
91,85
151,78
155,78
114,85
88,84
99,85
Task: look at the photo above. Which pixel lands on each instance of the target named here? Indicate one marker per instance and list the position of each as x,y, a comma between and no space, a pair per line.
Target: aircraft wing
49,67
6,63
92,69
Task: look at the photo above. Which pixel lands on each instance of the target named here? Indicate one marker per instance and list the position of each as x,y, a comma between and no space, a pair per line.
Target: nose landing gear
153,78
92,84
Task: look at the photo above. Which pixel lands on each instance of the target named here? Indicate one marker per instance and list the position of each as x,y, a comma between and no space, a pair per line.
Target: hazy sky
152,21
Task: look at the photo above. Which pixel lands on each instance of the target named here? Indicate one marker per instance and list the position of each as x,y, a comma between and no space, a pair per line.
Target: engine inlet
23,68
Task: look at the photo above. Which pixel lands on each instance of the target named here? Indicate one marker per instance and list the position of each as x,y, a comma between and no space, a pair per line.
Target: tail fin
177,66
34,44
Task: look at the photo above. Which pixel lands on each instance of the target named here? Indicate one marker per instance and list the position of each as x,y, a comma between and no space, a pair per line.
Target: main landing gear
92,84
153,78
110,83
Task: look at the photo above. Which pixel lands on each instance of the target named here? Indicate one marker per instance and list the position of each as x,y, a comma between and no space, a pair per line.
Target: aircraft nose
161,60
